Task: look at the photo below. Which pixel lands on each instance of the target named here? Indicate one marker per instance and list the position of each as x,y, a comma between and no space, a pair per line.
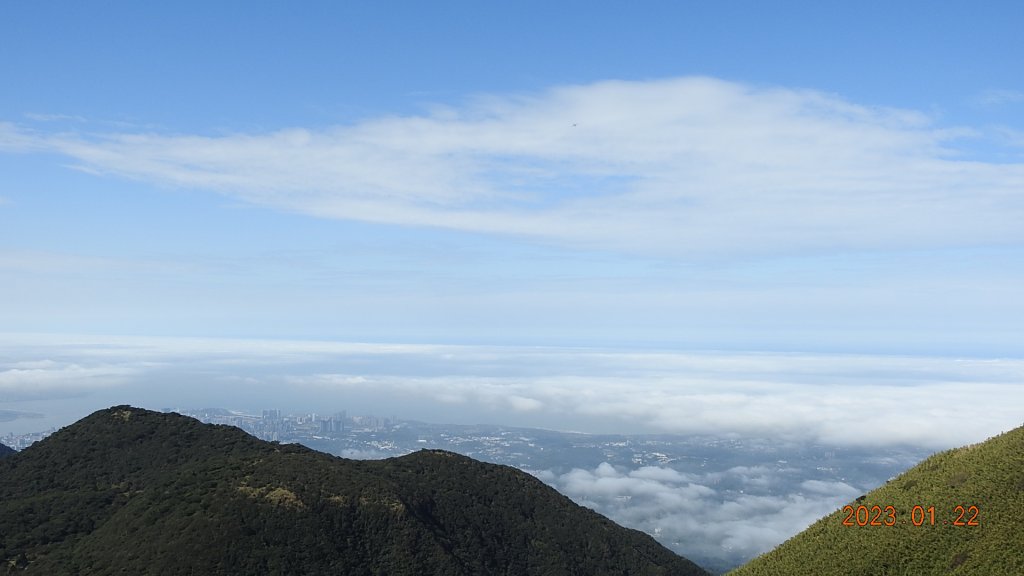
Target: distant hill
138,492
986,482
6,450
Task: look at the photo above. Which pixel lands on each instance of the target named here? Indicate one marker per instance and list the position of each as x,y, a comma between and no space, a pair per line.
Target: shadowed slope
134,491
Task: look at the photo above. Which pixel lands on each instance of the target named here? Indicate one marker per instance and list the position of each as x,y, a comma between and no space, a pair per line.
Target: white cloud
16,139
828,488
832,399
37,379
34,261
43,117
523,404
1011,137
999,97
837,399
354,454
861,400
691,166
715,527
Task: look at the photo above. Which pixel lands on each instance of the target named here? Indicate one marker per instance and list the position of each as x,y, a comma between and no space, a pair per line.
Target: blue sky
683,177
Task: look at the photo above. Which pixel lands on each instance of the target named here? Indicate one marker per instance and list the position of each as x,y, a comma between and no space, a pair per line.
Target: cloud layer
837,399
718,519
718,515
696,167
696,515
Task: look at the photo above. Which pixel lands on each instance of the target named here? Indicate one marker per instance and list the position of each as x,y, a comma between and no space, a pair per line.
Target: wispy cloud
47,117
9,415
14,138
33,261
1011,137
691,166
999,97
50,379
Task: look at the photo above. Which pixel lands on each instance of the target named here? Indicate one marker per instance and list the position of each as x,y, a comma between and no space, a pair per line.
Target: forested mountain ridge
6,450
958,512
141,492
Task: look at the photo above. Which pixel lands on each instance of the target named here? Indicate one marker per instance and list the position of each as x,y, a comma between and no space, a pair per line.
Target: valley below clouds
777,418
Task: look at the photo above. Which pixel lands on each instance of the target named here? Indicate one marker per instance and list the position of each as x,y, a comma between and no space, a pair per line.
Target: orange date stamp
876,515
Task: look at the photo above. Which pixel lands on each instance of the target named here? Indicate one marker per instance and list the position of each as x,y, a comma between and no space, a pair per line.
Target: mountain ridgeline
132,491
958,512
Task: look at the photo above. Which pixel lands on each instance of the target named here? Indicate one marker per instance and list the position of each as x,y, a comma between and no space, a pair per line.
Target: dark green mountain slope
985,480
6,450
137,492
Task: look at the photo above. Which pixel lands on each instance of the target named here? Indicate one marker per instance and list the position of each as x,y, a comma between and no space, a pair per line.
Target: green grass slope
988,476
129,491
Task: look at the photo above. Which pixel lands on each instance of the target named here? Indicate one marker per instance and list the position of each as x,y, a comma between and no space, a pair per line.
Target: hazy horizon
781,220
841,399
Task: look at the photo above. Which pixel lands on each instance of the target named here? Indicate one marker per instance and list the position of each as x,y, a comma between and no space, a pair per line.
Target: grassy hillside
986,480
138,492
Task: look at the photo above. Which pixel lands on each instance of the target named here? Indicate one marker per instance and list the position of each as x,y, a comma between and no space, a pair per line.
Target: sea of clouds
718,517
936,402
